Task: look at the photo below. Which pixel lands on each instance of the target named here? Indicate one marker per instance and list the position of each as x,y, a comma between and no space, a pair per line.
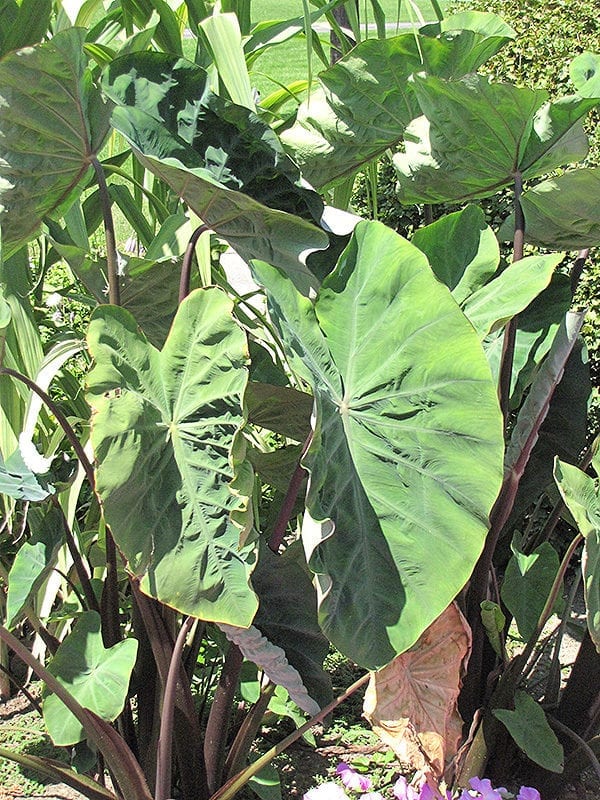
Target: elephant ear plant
417,383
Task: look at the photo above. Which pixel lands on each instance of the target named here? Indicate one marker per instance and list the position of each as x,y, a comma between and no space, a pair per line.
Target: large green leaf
52,122
562,212
221,159
164,431
404,405
581,494
366,100
475,135
528,726
97,677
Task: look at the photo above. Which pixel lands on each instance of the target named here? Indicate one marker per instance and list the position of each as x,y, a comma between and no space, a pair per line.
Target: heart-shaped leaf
164,432
403,401
528,726
97,677
52,122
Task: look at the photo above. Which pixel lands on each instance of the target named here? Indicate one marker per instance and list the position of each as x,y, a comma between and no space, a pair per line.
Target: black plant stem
60,418
165,740
510,332
186,265
82,574
577,268
219,717
112,264
289,501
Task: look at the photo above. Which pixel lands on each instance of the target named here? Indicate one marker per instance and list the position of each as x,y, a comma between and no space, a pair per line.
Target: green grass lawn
289,61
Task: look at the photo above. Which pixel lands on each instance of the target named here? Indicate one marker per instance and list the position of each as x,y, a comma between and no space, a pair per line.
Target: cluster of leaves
372,362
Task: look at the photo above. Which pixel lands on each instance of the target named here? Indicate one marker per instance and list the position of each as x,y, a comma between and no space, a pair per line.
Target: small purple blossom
326,791
351,779
403,791
528,793
484,789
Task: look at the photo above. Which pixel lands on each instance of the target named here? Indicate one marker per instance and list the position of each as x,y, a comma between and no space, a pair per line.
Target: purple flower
351,779
326,791
485,790
528,793
402,790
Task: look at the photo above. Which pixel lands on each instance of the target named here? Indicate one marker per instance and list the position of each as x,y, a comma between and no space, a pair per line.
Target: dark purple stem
186,266
289,501
219,717
510,332
82,574
165,740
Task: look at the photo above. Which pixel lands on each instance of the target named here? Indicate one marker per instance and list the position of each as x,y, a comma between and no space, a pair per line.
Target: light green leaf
19,482
585,74
528,726
537,327
527,583
33,562
222,31
562,212
493,621
98,678
581,494
52,121
404,402
461,249
491,306
164,433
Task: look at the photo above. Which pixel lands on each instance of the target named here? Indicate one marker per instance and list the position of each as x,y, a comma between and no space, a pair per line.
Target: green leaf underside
528,726
51,122
163,438
404,403
98,678
19,482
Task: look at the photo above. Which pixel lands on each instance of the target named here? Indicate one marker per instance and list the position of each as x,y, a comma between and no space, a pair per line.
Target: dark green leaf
280,409
52,121
527,583
287,616
528,726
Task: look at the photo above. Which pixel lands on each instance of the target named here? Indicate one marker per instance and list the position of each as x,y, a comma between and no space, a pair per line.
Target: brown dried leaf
411,702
